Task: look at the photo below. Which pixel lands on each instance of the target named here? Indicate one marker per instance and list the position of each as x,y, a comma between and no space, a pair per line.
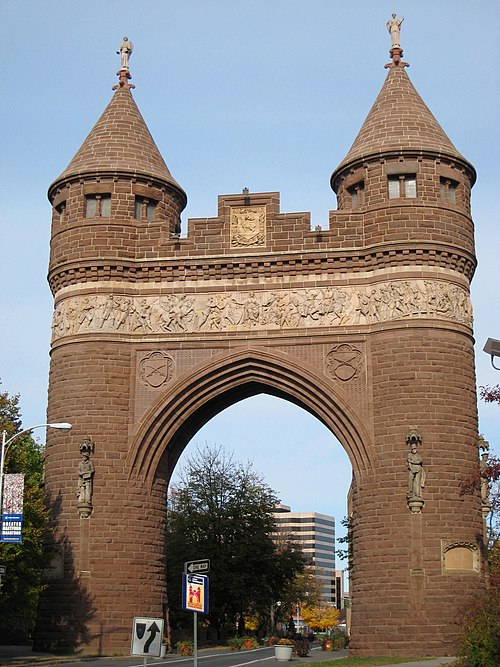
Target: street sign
11,528
147,634
195,593
3,570
197,566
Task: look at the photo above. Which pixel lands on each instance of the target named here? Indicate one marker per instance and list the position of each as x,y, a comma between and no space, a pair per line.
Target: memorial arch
366,324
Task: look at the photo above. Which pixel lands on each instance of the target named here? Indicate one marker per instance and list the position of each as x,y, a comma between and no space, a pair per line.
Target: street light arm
6,444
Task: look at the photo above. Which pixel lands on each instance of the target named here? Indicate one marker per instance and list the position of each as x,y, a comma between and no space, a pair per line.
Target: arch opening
180,413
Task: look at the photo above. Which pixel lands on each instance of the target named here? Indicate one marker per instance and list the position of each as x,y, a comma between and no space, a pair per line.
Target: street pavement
17,656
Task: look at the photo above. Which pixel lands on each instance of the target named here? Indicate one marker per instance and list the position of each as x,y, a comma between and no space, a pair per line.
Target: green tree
222,510
24,562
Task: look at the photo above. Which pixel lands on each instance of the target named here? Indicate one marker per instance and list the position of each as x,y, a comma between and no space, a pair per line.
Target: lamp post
7,443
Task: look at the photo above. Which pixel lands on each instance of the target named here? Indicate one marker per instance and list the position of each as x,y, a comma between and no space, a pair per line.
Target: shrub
481,643
302,648
184,647
481,637
245,642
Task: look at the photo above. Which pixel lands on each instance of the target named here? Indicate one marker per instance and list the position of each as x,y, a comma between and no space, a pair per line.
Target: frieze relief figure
262,309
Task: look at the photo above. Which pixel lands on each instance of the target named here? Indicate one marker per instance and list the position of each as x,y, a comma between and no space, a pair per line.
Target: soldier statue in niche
85,478
416,472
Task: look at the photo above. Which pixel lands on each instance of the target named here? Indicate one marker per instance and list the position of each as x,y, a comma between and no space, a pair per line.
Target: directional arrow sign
197,566
146,637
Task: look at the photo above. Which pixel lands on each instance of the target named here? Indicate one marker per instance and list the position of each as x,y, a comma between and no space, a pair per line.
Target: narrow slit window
105,206
90,206
357,193
448,190
145,209
61,212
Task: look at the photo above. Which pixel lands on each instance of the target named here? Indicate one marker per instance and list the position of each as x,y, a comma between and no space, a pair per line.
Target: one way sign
197,566
146,637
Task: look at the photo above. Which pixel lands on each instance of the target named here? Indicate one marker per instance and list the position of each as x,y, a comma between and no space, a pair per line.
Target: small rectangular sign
11,528
197,566
147,634
3,570
195,593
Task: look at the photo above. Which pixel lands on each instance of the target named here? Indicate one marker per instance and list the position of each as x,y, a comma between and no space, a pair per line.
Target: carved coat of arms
248,226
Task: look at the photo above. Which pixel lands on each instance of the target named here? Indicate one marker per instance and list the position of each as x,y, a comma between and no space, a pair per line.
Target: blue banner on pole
12,508
12,528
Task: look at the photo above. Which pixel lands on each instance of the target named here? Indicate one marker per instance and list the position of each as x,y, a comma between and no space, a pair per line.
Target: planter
283,653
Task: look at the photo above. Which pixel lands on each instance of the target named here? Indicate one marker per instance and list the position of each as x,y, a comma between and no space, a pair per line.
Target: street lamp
6,444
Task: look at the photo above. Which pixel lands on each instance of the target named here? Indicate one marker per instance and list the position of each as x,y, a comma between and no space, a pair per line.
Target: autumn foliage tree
321,616
481,621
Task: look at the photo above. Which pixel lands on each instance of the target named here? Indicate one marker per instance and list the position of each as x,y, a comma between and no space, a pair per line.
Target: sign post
195,599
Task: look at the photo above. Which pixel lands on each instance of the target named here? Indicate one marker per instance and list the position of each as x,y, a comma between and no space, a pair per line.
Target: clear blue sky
267,94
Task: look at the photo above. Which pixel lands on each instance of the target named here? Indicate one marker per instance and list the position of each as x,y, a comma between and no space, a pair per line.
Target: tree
490,394
480,621
321,616
222,510
25,561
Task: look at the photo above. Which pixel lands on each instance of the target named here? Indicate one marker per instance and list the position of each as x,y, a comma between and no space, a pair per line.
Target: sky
264,94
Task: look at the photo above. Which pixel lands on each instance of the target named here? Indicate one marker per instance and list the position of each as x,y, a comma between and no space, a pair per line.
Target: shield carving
344,362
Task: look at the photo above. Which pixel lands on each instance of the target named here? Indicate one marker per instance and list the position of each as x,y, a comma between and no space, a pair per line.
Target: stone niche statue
85,478
484,449
394,28
416,472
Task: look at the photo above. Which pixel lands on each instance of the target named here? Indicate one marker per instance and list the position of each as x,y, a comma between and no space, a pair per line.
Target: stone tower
367,325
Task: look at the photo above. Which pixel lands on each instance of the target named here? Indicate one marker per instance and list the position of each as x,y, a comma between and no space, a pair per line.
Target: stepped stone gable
366,324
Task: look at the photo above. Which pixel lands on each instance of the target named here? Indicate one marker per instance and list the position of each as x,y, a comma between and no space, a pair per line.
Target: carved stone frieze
248,226
262,309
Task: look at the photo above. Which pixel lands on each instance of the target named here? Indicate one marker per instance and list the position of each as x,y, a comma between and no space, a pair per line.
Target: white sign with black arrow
197,566
146,637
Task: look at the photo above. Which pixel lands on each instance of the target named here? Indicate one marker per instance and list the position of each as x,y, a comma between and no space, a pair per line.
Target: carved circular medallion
344,362
156,369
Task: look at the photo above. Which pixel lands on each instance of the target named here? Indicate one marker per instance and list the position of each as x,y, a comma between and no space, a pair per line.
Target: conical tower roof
399,121
120,142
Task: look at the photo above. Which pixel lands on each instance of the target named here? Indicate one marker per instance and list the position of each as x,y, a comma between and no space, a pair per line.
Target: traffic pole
195,639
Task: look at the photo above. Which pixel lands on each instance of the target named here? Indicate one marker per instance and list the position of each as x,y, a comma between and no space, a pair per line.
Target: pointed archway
204,392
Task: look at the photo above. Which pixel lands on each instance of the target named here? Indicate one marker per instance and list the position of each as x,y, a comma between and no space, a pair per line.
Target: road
255,658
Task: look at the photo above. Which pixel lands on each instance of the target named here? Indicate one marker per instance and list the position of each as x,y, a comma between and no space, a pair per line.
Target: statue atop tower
123,74
126,48
394,28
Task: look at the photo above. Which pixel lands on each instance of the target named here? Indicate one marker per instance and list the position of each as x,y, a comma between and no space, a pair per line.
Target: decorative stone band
262,309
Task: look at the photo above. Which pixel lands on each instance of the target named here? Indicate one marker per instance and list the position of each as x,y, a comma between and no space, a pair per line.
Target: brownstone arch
227,379
366,324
